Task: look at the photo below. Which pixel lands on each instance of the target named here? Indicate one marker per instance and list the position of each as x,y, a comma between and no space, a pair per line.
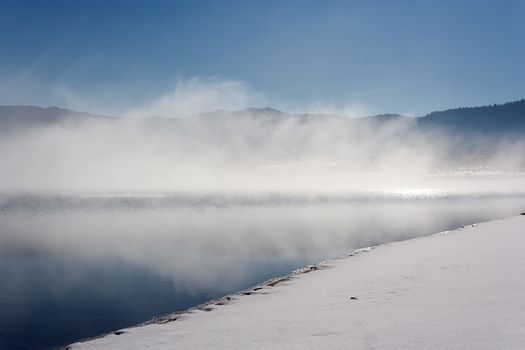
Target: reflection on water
77,266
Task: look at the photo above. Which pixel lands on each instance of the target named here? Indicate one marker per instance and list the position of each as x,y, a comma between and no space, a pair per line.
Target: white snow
464,289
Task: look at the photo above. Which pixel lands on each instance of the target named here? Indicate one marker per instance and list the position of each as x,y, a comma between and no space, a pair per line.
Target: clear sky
371,56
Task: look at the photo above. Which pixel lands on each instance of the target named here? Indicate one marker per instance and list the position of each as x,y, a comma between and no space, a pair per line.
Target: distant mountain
14,118
493,119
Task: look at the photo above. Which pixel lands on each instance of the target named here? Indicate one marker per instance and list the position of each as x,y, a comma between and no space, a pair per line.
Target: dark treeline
497,118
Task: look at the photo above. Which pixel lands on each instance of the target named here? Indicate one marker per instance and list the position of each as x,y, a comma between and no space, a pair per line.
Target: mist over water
76,266
249,150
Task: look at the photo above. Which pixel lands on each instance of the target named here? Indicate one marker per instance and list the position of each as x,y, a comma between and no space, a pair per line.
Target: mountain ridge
508,117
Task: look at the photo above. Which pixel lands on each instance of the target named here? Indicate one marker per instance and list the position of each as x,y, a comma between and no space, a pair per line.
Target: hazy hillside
504,118
16,118
493,119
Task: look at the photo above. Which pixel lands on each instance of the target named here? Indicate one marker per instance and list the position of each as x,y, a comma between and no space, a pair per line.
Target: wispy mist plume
247,150
185,98
196,95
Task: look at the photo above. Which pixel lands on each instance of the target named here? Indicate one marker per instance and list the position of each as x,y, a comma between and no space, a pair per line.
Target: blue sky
365,56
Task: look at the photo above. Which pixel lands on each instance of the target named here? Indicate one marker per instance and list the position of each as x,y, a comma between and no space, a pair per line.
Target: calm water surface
73,267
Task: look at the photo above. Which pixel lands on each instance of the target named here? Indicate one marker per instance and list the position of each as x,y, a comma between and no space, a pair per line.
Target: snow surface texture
458,290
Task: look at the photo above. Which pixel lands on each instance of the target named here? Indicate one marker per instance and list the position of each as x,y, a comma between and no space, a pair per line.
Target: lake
75,266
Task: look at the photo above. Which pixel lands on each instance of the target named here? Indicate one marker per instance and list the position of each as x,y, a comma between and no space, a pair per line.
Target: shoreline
202,326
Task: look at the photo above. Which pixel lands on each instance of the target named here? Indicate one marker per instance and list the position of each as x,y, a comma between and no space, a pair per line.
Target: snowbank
458,290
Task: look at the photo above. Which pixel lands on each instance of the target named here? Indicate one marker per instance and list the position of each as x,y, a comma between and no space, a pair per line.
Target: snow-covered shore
456,290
